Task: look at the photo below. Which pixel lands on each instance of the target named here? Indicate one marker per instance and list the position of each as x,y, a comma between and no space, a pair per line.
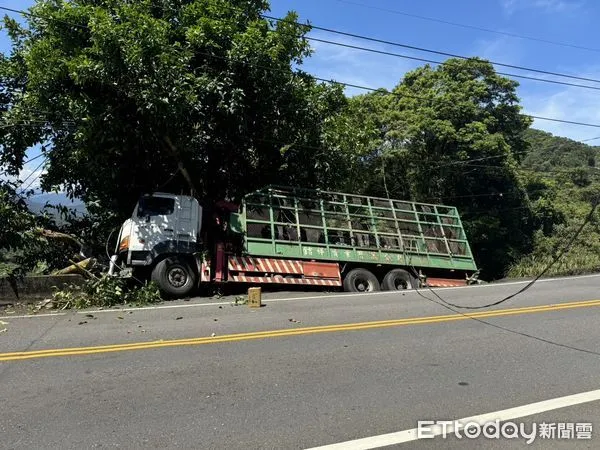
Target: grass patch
575,263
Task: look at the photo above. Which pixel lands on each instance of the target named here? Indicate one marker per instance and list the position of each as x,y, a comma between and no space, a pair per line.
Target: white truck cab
162,235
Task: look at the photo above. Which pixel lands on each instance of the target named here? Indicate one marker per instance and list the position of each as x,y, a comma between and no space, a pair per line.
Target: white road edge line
338,296
400,437
293,299
8,316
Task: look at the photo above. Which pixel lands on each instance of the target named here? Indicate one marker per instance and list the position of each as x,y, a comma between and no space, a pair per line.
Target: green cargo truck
286,236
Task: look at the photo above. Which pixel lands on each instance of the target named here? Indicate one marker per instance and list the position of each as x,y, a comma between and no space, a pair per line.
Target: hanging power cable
555,259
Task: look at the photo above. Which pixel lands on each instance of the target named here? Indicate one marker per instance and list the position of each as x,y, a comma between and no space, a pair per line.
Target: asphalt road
306,370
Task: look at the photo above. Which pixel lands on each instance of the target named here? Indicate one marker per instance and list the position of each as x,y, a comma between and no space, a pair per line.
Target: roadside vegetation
104,292
562,180
120,94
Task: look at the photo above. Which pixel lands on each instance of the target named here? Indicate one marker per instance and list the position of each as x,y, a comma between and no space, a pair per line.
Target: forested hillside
548,152
562,178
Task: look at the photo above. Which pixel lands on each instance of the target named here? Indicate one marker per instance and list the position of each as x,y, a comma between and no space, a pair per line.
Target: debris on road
240,300
44,304
179,318
82,267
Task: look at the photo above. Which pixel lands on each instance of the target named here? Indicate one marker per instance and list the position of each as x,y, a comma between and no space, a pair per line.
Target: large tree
451,134
106,85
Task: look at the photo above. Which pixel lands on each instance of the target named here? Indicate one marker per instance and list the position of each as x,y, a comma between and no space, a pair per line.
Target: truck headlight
124,245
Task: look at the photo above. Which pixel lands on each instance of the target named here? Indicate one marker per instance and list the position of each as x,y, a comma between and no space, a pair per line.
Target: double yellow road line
75,351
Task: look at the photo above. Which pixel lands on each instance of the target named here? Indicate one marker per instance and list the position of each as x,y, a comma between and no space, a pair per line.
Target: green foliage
571,264
15,219
23,247
103,85
105,292
108,82
548,152
583,258
423,141
20,245
562,192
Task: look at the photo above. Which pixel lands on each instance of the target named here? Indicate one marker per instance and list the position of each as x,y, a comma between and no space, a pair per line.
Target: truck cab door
187,222
154,224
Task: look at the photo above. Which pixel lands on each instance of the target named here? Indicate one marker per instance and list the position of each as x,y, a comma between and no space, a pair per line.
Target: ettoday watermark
428,429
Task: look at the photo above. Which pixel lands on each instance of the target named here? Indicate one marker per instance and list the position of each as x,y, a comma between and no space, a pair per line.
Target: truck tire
399,280
174,277
361,280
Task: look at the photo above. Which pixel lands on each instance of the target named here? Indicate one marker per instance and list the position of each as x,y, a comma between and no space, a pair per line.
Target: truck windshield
156,206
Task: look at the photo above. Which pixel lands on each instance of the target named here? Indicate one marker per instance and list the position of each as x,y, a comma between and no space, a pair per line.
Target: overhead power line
37,16
33,172
441,63
592,139
455,308
31,123
353,35
41,155
470,27
426,50
555,259
38,176
356,86
508,330
564,121
385,91
370,89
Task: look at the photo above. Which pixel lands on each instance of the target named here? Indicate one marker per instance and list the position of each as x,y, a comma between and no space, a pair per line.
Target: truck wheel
361,280
174,277
399,280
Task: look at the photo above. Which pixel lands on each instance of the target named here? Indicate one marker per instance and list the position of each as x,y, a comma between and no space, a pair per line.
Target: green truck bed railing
332,226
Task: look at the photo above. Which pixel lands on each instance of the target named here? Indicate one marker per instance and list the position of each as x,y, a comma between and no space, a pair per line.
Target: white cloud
353,66
29,178
570,103
550,6
380,71
32,176
503,49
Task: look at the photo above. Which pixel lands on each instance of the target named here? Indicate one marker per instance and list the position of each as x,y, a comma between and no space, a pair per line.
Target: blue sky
566,21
